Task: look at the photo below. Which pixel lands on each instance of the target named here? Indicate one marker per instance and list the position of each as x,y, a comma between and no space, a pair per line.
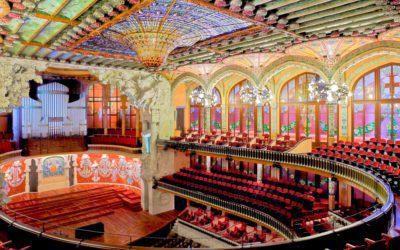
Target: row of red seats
384,166
363,149
6,136
129,141
6,146
385,243
282,197
249,179
375,141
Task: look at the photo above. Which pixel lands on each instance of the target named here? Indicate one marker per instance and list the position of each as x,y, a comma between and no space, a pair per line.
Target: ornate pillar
137,126
332,193
259,172
224,117
344,121
259,120
207,120
274,120
123,111
208,163
344,194
106,96
332,133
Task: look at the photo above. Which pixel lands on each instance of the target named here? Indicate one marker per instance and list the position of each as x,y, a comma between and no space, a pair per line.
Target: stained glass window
377,92
97,94
242,117
197,114
301,116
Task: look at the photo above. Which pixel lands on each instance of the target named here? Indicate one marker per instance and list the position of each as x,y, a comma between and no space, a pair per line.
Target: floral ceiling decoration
254,61
391,35
330,50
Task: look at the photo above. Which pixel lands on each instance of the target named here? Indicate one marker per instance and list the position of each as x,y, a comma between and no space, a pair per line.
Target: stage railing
9,155
251,213
113,148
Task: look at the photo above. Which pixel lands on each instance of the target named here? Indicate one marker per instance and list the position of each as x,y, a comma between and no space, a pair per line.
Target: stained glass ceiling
165,25
94,32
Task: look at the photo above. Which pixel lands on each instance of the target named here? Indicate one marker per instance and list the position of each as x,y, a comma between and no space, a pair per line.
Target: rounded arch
187,77
300,62
376,104
231,69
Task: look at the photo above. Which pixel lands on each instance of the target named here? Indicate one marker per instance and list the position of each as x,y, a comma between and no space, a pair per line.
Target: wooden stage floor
121,227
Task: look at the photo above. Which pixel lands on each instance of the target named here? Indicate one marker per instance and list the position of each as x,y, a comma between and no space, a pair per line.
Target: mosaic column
259,172
207,120
343,118
123,113
274,120
259,120
106,94
208,163
332,109
224,117
332,193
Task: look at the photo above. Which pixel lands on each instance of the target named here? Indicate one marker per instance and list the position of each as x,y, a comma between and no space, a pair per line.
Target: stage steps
74,207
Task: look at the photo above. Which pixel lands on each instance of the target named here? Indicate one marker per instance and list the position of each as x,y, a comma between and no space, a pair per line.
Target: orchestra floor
122,225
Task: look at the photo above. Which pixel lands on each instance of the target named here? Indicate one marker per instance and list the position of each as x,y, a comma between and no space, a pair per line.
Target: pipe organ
52,115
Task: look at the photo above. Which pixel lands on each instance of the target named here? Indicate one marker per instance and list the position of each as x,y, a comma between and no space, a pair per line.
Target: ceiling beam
122,16
85,52
57,19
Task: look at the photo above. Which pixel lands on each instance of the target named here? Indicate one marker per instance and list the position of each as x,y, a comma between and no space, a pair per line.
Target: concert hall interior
209,124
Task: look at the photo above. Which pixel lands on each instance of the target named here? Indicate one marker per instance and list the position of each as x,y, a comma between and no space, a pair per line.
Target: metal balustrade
256,215
333,168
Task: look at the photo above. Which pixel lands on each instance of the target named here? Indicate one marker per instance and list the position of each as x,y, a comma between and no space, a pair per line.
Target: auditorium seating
113,139
6,143
70,208
232,229
175,241
379,157
385,243
6,245
286,201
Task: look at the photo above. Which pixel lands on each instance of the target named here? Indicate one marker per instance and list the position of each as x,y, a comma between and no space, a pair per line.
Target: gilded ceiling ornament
4,8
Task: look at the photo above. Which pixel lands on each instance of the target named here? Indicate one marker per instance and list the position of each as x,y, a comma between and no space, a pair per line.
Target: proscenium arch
231,69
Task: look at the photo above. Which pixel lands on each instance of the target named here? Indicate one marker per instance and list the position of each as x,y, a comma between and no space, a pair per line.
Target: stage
117,207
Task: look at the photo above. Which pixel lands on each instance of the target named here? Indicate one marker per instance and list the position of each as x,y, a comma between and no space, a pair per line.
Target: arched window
97,94
243,117
197,114
301,116
376,104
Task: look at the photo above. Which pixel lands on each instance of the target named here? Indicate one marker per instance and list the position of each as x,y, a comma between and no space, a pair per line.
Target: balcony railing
332,168
251,213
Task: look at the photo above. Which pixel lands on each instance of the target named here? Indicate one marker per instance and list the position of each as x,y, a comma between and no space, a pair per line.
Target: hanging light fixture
253,95
199,96
331,92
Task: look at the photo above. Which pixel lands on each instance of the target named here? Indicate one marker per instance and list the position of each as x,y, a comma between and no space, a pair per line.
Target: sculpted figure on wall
14,84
